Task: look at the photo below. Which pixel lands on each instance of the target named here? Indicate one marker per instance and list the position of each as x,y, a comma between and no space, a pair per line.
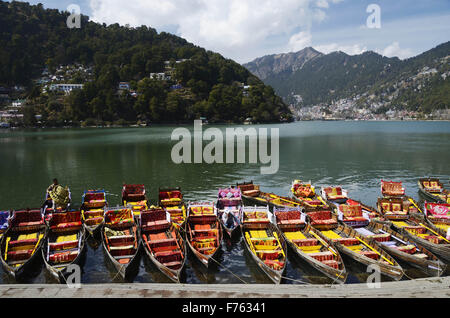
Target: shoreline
434,287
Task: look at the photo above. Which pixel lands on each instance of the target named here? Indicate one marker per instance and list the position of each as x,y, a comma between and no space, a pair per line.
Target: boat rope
218,263
229,271
296,280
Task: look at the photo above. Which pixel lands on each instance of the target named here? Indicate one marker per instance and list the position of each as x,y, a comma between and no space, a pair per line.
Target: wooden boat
22,242
356,246
264,241
171,199
4,222
203,231
351,212
134,195
396,208
253,195
403,248
64,244
395,190
424,234
438,214
433,190
308,245
92,209
163,242
57,200
121,240
229,209
305,193
392,189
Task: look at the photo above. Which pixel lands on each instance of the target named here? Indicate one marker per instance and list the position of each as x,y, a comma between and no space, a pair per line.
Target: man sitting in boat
58,194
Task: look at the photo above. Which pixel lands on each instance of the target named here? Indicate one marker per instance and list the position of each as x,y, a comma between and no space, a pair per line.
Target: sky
246,29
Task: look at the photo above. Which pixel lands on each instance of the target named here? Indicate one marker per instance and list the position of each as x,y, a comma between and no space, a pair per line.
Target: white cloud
299,41
349,49
395,50
237,29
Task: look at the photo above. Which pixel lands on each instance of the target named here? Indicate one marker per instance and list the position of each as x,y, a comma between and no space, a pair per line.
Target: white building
65,87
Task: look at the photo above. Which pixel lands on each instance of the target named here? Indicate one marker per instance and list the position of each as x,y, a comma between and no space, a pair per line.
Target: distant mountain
270,65
421,83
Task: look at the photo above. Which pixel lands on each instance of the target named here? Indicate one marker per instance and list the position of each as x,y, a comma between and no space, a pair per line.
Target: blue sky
246,29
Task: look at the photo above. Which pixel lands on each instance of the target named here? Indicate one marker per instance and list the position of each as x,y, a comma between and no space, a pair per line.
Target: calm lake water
355,155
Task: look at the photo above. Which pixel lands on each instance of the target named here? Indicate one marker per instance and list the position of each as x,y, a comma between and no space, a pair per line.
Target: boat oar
323,242
375,251
414,203
6,247
421,224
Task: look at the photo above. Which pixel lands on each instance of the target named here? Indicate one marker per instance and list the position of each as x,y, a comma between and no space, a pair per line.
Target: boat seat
62,245
205,249
346,241
324,222
381,237
421,255
66,226
93,213
410,249
64,257
175,264
29,224
167,253
331,263
121,240
277,265
322,256
355,219
251,193
156,225
19,255
22,243
306,242
295,222
434,239
93,221
370,254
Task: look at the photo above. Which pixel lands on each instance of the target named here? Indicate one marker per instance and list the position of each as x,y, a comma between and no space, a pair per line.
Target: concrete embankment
425,287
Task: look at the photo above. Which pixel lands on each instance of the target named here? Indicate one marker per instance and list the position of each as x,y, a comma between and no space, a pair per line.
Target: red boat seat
63,245
277,265
93,221
322,256
331,263
64,257
251,193
410,249
370,254
347,241
121,240
306,242
173,265
23,255
434,239
381,237
392,188
21,243
66,226
156,225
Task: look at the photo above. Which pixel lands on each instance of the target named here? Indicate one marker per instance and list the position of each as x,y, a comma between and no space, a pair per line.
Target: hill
196,83
368,81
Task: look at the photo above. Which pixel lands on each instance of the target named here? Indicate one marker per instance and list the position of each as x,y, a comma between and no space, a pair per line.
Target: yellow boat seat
331,234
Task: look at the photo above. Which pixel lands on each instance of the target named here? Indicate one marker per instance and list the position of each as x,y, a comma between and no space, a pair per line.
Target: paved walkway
425,287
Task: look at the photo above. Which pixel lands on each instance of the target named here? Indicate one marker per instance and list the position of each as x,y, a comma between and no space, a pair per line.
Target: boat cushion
370,254
22,243
392,188
381,237
63,245
66,226
63,257
21,255
277,265
306,242
331,263
347,241
322,256
121,240
251,193
93,221
410,249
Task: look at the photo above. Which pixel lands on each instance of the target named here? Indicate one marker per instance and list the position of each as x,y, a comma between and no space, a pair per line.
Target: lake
355,155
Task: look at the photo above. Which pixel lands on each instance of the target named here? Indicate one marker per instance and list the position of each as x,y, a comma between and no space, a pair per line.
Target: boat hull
274,275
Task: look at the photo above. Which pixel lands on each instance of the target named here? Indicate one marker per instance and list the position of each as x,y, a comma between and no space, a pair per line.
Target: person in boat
53,185
230,220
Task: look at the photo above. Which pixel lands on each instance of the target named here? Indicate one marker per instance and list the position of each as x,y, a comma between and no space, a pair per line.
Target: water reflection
355,155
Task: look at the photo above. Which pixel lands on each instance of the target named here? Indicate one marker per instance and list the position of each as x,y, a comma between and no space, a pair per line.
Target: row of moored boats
318,227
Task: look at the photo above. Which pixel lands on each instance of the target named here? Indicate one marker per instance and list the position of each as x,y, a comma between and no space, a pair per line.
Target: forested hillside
202,83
